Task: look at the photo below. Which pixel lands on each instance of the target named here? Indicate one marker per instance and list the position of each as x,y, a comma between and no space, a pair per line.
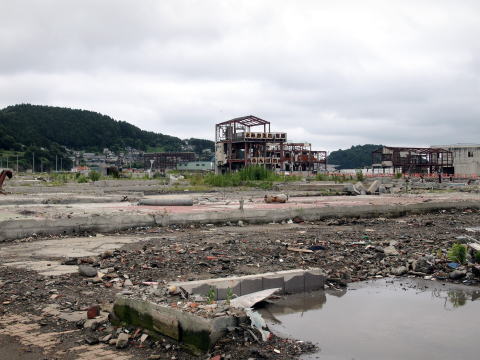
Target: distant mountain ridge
27,125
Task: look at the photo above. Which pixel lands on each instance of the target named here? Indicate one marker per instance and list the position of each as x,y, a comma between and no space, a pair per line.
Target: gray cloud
332,73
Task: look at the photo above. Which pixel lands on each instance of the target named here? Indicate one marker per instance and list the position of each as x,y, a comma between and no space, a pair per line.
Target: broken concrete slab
247,301
373,188
59,219
360,188
289,281
195,333
43,267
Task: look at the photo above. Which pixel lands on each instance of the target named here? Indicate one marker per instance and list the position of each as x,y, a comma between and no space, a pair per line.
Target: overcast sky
334,73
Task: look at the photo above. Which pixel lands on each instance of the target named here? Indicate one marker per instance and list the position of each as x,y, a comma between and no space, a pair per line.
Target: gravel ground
348,250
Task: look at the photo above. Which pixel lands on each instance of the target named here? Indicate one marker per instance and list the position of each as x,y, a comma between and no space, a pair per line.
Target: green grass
337,178
457,253
251,176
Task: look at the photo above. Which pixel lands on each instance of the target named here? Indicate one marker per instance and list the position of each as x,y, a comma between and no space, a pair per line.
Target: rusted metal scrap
280,198
3,175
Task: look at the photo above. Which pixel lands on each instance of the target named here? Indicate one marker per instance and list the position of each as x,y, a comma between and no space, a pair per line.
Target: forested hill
43,126
354,158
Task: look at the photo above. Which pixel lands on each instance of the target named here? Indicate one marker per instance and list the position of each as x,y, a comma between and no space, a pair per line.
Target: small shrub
211,295
94,175
477,256
321,177
82,179
229,296
360,176
197,179
398,175
457,253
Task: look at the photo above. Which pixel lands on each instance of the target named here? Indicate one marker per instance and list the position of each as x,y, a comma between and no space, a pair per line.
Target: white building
466,158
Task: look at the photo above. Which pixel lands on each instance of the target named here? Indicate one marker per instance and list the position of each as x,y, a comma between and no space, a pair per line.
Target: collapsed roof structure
412,160
248,140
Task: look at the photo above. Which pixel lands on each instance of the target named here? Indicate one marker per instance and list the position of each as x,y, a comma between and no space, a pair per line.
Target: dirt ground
38,313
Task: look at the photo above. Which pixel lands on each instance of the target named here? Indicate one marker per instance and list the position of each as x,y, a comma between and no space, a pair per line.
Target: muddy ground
347,250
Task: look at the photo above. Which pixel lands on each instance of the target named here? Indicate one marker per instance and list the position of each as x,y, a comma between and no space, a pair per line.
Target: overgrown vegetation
360,176
338,178
255,176
457,253
94,175
82,179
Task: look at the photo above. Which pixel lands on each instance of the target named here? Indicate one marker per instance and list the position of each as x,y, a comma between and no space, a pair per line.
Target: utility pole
7,162
56,163
33,163
17,163
61,164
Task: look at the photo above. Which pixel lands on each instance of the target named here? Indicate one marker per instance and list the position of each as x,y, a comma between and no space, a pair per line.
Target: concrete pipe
167,202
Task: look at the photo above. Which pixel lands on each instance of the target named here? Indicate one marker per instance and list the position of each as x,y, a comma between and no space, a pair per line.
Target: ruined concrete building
409,160
166,160
466,158
248,140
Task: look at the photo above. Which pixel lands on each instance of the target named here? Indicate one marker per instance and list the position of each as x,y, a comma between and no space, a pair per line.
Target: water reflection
455,298
297,303
402,318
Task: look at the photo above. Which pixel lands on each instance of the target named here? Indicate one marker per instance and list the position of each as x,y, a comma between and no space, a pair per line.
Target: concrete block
294,283
248,286
223,287
273,281
372,189
360,188
195,333
199,288
314,280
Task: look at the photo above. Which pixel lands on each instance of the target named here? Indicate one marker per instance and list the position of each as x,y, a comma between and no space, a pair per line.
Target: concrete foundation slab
290,281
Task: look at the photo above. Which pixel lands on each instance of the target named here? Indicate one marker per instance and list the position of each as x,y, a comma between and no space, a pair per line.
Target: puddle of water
383,319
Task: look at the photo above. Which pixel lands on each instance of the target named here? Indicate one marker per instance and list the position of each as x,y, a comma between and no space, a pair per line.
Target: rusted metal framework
298,157
413,160
248,140
166,160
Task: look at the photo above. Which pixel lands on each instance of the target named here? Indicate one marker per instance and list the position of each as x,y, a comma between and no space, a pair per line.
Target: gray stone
457,274
106,338
422,265
91,340
122,341
391,251
399,271
87,270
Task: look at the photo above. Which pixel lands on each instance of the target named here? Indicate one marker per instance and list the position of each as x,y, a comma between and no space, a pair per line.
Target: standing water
383,319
